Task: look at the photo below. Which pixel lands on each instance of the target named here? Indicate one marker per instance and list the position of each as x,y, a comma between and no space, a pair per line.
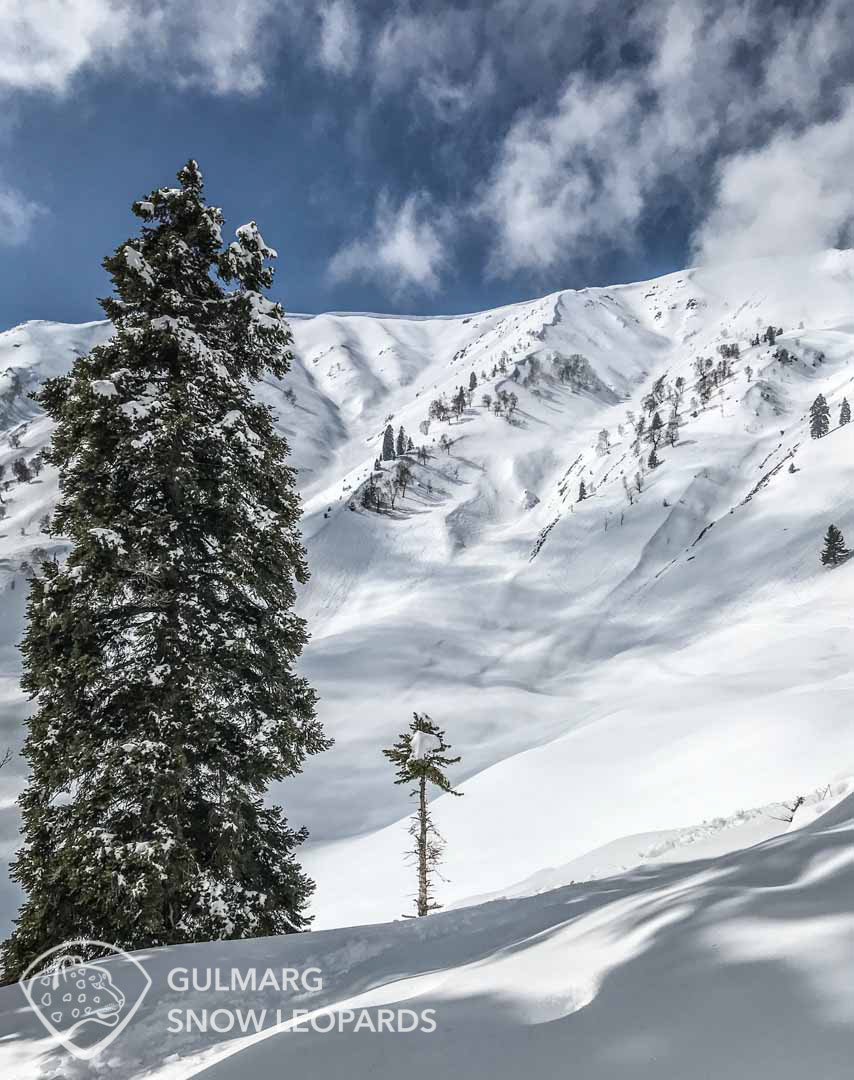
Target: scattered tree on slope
388,444
819,418
834,547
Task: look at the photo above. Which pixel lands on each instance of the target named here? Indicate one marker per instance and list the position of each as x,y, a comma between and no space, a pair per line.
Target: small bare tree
790,808
403,477
420,755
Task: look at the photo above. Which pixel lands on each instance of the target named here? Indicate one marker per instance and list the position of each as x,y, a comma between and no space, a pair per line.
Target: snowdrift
729,967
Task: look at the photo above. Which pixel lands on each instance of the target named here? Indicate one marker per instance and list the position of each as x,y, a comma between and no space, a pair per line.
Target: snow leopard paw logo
76,1000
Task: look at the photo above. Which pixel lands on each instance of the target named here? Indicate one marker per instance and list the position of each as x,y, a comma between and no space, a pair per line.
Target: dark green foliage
161,655
21,471
431,766
420,755
582,491
845,412
438,409
472,381
819,418
459,401
835,550
401,442
388,443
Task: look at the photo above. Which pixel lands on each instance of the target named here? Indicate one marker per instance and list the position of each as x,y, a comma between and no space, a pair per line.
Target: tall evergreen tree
161,655
845,412
420,755
835,550
582,492
388,443
652,460
401,442
472,382
819,418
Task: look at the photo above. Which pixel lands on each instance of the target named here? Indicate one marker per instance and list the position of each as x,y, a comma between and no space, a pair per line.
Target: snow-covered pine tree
420,755
161,655
652,461
388,443
472,382
835,550
819,418
844,412
582,492
401,442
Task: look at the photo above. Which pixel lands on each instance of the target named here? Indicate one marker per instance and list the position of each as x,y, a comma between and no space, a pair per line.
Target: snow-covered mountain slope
605,667
736,966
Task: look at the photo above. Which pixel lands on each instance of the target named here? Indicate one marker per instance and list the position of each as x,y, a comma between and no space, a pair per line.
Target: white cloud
229,43
222,46
340,37
565,177
405,248
723,80
433,58
17,215
794,194
43,45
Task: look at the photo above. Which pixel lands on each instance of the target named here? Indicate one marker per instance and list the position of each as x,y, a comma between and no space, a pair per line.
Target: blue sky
431,157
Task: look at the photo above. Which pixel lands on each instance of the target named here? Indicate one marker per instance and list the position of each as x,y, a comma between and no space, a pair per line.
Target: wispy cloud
340,36
222,46
42,46
792,195
565,125
405,248
728,91
17,216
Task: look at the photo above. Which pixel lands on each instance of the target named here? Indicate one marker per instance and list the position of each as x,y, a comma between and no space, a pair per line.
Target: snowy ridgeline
736,966
664,651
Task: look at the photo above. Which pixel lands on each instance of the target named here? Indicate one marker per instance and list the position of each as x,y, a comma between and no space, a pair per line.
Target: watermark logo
85,1004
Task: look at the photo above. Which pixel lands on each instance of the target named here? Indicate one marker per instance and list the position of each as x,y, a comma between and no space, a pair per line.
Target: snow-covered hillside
605,667
736,966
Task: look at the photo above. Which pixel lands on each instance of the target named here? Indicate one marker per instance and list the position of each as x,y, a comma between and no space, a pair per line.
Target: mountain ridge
569,648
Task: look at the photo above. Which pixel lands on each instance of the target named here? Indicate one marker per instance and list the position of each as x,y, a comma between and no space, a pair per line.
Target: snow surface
611,674
736,966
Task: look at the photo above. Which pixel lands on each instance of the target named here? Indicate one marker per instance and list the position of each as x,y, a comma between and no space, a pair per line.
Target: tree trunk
423,900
